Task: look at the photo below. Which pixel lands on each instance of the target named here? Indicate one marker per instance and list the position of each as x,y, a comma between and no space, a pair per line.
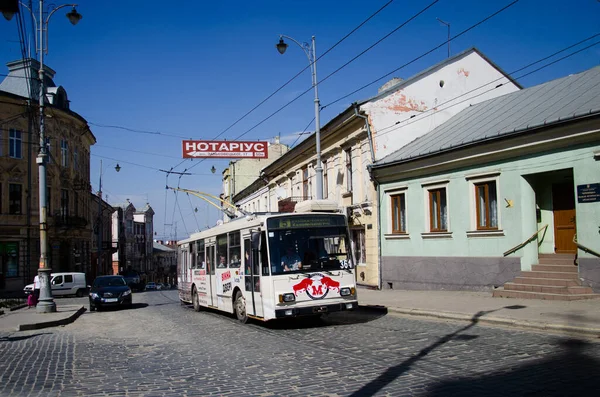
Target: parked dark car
109,291
133,280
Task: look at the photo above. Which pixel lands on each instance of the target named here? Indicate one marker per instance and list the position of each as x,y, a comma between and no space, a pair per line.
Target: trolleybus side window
200,263
221,251
193,255
264,261
234,250
210,255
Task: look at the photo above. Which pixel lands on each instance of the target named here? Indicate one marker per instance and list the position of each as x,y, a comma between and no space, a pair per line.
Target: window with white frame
359,243
15,144
398,211
487,205
438,209
48,151
64,153
15,199
484,209
348,170
325,181
75,159
305,183
64,204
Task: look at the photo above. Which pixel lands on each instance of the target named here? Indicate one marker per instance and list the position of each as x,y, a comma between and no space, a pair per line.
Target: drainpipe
370,138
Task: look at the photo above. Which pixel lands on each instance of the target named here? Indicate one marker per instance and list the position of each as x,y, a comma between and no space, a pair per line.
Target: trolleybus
271,266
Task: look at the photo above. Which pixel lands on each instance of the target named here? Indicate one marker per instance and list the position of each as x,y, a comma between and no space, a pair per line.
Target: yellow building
68,178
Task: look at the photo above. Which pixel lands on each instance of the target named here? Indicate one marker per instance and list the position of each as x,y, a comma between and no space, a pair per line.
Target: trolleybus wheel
196,300
240,308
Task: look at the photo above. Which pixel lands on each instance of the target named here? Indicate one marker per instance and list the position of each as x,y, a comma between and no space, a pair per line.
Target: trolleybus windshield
311,243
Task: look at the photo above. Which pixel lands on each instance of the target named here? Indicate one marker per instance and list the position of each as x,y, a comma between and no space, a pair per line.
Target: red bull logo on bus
316,286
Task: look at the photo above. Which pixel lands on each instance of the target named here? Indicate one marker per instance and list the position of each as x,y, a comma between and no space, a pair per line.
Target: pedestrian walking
36,287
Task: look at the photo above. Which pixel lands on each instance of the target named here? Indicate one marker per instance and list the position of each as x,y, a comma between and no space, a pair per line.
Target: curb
55,323
499,321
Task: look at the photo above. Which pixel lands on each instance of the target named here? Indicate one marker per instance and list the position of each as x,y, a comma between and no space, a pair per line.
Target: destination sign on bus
297,222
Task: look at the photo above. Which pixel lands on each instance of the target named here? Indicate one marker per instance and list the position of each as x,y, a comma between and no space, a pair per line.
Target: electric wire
193,211
298,74
410,120
426,53
498,79
380,78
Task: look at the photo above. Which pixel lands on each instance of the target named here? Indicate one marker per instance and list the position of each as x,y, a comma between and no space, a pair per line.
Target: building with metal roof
505,193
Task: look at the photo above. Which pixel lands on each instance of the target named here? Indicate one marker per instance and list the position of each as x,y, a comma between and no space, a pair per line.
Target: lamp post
46,303
100,223
310,51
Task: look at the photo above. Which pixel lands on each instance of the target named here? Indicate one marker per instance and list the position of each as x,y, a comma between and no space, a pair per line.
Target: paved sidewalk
25,319
572,317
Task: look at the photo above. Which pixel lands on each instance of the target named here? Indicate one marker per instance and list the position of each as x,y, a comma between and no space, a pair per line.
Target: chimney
393,82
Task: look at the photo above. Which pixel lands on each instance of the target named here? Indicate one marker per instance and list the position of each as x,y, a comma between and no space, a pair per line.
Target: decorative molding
436,235
397,236
485,233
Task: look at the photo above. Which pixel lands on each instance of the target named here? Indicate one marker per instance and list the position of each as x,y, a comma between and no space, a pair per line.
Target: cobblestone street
160,348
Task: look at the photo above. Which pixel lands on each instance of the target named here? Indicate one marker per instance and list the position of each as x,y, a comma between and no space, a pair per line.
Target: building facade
143,224
68,184
102,241
366,132
506,193
242,173
123,237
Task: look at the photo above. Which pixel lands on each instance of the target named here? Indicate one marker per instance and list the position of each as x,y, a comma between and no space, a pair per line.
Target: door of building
563,207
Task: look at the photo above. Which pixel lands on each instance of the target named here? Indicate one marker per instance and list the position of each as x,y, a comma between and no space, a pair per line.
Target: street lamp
310,51
46,303
100,223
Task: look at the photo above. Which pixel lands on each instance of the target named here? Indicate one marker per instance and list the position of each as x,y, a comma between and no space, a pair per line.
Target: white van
65,284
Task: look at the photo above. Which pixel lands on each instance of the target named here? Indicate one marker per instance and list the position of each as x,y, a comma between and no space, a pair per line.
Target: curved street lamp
310,51
46,304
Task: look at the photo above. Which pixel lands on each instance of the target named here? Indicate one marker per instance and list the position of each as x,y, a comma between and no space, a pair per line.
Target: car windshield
109,281
309,250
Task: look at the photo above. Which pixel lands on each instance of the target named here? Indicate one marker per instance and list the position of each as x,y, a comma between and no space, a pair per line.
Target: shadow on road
22,337
569,372
396,371
363,314
118,308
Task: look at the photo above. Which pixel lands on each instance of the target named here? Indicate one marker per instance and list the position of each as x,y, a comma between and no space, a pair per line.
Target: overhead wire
328,76
298,74
193,211
425,54
411,120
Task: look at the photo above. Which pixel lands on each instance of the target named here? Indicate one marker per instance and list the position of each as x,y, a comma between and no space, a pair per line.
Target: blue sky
192,68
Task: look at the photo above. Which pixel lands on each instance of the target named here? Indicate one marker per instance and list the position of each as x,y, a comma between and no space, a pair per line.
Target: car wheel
92,308
196,300
239,308
79,293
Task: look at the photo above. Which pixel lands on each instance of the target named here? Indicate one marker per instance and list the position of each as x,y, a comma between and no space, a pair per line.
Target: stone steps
502,293
555,277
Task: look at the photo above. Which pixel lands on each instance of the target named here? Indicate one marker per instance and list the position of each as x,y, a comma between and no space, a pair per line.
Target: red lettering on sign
225,276
224,149
317,290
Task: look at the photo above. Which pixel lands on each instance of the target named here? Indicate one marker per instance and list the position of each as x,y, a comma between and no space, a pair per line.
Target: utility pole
448,25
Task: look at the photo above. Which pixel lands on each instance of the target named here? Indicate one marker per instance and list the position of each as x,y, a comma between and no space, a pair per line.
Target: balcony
289,204
76,222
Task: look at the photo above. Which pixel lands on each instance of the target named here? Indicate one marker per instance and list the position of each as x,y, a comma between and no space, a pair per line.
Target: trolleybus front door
210,271
253,280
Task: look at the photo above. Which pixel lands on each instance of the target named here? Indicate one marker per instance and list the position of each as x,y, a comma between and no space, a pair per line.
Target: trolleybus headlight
286,298
346,291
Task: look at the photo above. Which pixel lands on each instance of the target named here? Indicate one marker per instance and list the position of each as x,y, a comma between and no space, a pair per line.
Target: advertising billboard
225,149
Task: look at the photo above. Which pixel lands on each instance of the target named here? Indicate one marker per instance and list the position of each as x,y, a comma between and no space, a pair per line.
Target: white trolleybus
271,266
